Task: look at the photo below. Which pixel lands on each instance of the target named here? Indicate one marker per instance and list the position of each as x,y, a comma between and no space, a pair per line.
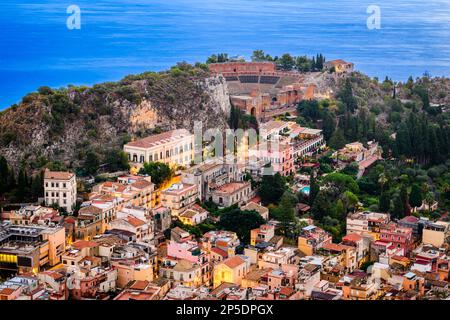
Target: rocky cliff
65,125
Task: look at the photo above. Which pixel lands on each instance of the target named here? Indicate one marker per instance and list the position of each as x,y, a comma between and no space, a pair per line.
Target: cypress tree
4,173
415,197
384,202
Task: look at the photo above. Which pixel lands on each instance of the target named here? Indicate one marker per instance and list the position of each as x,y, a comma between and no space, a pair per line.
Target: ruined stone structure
259,89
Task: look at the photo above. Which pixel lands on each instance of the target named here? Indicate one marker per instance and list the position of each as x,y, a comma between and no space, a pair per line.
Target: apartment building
178,197
128,190
401,238
60,188
29,248
311,239
93,218
367,223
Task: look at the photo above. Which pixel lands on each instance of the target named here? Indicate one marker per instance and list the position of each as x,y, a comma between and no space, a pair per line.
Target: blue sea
120,37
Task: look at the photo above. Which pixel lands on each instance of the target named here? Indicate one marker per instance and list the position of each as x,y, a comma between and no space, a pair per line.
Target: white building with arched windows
174,147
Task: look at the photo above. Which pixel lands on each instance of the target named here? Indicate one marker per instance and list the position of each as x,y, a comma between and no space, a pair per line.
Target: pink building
188,250
400,237
280,156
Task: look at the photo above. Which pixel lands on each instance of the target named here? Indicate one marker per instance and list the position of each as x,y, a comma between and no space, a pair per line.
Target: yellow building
231,270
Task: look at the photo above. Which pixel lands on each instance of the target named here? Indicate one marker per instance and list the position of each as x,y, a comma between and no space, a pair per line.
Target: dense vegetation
159,172
414,136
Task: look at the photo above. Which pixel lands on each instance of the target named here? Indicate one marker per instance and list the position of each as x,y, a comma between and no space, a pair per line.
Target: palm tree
382,180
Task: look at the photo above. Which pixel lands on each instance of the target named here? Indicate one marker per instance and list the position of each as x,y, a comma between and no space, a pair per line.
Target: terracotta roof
231,187
55,275
400,258
286,291
303,207
69,220
256,199
90,210
352,237
141,184
335,247
219,252
233,262
80,244
336,62
254,206
7,291
57,175
411,219
198,208
135,222
139,285
189,213
159,139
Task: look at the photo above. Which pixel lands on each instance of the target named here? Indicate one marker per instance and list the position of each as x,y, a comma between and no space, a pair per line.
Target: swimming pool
305,190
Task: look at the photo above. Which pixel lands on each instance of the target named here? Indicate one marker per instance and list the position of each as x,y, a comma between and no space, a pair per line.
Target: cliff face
65,125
